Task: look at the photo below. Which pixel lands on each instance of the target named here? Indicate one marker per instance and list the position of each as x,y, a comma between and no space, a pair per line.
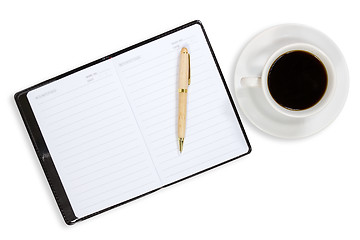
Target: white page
93,139
149,75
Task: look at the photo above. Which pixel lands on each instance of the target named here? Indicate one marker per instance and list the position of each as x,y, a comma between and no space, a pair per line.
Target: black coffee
297,80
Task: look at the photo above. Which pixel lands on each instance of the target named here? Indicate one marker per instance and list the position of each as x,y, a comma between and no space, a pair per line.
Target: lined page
93,138
149,75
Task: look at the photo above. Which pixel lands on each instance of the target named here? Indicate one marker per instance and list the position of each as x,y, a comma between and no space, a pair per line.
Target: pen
184,82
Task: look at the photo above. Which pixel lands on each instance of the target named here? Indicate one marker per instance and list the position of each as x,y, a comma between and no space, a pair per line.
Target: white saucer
252,100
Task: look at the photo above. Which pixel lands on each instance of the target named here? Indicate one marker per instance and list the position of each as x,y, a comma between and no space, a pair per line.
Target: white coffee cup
262,81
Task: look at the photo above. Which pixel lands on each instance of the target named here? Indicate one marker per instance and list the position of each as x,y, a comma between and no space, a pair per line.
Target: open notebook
106,133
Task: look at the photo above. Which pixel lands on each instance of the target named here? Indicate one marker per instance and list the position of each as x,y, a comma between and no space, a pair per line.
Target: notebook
106,133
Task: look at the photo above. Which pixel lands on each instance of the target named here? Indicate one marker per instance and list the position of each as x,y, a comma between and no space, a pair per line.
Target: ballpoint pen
184,82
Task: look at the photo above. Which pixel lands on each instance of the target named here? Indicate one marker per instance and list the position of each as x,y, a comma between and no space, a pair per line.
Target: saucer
252,100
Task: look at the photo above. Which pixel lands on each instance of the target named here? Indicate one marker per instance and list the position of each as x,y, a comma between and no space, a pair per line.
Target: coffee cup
298,80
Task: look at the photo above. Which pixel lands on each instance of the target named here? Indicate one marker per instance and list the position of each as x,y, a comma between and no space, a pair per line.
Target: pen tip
181,144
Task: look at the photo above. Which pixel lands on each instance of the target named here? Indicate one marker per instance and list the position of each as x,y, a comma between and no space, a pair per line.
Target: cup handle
250,81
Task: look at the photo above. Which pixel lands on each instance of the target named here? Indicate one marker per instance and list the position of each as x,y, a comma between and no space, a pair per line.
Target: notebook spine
45,158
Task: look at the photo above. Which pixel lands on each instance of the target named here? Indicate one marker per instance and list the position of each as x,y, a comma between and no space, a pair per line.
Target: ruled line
117,171
202,162
172,67
154,66
87,118
92,123
172,59
111,132
159,89
195,139
102,144
81,103
117,195
73,90
87,109
123,160
169,118
78,96
101,160
154,83
167,94
173,51
111,189
199,138
193,117
150,60
173,101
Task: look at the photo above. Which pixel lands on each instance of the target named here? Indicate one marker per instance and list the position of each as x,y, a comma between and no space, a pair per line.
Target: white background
298,189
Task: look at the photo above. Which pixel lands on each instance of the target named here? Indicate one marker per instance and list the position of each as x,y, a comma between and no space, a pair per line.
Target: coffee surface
297,80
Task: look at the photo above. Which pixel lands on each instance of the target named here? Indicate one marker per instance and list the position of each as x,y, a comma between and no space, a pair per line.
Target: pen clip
189,69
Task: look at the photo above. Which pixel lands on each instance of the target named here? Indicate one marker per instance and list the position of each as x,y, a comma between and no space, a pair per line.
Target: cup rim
331,81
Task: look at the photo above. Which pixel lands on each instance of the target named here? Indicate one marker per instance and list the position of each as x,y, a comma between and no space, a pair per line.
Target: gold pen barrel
184,76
